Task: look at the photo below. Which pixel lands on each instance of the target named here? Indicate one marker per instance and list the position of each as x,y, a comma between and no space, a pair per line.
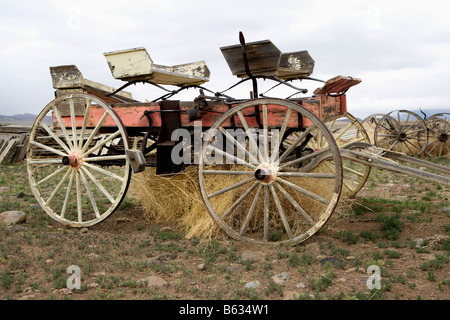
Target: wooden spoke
305,192
231,158
85,120
281,212
74,126
54,136
299,139
251,211
234,186
250,136
98,146
52,150
239,146
99,186
266,213
94,132
105,172
63,128
50,176
66,198
89,192
239,201
58,187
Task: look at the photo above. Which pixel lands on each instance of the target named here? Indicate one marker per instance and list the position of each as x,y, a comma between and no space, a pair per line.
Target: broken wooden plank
14,129
8,151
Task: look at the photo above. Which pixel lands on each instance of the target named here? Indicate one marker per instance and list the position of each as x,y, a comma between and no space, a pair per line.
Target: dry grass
176,200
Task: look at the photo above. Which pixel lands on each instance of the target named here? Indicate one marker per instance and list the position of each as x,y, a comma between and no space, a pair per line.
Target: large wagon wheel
438,135
402,131
77,167
370,123
257,192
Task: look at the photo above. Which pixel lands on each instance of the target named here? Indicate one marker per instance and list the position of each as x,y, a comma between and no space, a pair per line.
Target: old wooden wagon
270,170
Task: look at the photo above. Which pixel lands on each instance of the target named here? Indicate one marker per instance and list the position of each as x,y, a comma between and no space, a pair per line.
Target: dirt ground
127,257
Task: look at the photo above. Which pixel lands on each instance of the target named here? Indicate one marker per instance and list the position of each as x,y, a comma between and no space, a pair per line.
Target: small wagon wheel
438,135
346,130
402,131
259,193
76,163
370,123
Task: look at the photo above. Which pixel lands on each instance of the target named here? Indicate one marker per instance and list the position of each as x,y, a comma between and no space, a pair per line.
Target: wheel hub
402,136
266,173
74,160
443,137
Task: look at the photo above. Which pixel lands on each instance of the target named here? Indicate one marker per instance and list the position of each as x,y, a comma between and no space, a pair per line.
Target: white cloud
399,48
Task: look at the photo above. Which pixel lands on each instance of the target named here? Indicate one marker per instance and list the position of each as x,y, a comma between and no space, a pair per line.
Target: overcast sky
399,48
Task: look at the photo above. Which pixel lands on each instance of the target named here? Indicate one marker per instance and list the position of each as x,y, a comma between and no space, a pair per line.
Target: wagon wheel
259,193
370,123
76,163
346,130
438,135
402,131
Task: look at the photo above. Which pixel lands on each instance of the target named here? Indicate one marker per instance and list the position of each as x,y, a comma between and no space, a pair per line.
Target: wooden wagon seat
135,65
337,84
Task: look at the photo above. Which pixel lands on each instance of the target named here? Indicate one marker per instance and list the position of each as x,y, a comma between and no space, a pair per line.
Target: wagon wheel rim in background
438,135
355,174
370,123
276,199
402,131
77,167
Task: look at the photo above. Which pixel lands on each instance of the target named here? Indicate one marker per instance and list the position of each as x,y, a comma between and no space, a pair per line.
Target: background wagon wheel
76,162
402,131
438,135
370,123
346,130
257,192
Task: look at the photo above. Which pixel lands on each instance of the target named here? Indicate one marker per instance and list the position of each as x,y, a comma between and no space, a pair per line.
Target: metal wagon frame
270,170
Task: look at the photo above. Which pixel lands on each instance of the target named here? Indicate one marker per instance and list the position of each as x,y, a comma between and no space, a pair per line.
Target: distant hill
25,119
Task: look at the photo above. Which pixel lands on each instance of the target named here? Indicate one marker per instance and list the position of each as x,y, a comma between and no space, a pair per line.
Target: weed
391,226
436,263
322,282
274,287
369,235
348,237
431,276
5,279
392,254
294,261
